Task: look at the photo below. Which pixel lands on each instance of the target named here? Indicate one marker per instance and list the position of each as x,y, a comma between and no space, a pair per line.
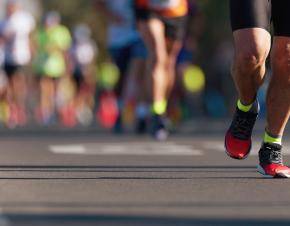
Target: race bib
163,4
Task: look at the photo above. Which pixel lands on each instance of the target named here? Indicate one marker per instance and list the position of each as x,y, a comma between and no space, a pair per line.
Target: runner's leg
153,33
249,63
250,21
278,98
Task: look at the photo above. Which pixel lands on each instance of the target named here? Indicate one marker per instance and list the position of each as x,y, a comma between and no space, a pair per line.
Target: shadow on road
115,220
35,172
144,205
122,168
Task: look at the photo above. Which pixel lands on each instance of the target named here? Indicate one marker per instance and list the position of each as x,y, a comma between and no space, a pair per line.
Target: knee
251,58
158,59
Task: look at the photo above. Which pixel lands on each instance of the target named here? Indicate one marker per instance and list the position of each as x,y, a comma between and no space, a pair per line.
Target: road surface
59,178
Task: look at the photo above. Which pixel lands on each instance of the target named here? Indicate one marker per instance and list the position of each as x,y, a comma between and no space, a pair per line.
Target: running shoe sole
161,135
278,175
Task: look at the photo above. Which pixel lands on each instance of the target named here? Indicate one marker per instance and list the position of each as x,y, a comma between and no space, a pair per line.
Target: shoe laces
270,154
243,125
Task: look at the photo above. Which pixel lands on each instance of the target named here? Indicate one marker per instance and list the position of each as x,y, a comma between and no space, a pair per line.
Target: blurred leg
121,58
153,34
173,49
47,92
19,89
138,72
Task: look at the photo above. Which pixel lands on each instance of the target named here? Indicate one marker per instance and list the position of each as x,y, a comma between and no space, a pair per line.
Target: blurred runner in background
4,111
127,51
83,55
53,44
178,108
16,30
162,25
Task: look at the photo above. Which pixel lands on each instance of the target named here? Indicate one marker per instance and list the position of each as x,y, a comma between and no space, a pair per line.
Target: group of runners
62,62
56,53
161,25
149,34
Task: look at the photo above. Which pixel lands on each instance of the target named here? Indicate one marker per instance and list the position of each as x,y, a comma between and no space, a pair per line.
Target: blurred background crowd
59,64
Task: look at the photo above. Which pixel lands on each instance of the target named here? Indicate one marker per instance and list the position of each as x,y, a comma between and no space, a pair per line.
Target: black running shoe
238,142
118,127
141,126
159,130
271,162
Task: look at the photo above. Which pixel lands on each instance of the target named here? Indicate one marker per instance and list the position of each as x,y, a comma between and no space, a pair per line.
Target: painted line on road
68,149
136,148
148,148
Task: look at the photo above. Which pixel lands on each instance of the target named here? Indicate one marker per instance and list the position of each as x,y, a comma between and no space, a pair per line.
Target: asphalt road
92,179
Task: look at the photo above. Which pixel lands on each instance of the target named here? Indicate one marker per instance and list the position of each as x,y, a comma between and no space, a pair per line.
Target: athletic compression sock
159,107
254,107
244,108
271,139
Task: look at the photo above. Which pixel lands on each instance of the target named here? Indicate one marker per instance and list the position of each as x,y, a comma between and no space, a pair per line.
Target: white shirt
84,52
16,30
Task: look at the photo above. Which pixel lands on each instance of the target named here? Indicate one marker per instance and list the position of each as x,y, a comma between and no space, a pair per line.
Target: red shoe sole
281,174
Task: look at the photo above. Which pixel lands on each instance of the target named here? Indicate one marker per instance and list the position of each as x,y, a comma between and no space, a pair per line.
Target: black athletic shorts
261,13
78,76
11,69
175,27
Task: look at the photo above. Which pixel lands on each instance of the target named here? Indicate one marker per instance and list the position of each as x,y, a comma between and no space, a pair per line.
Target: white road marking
68,149
149,148
218,146
132,148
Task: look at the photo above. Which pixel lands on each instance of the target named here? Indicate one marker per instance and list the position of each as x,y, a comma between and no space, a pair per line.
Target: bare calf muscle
248,73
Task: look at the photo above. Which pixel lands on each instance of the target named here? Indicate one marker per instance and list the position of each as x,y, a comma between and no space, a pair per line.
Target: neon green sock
244,108
272,139
159,107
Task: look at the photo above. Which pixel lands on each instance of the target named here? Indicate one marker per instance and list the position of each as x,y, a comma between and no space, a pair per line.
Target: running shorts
122,56
260,14
11,69
173,13
165,8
